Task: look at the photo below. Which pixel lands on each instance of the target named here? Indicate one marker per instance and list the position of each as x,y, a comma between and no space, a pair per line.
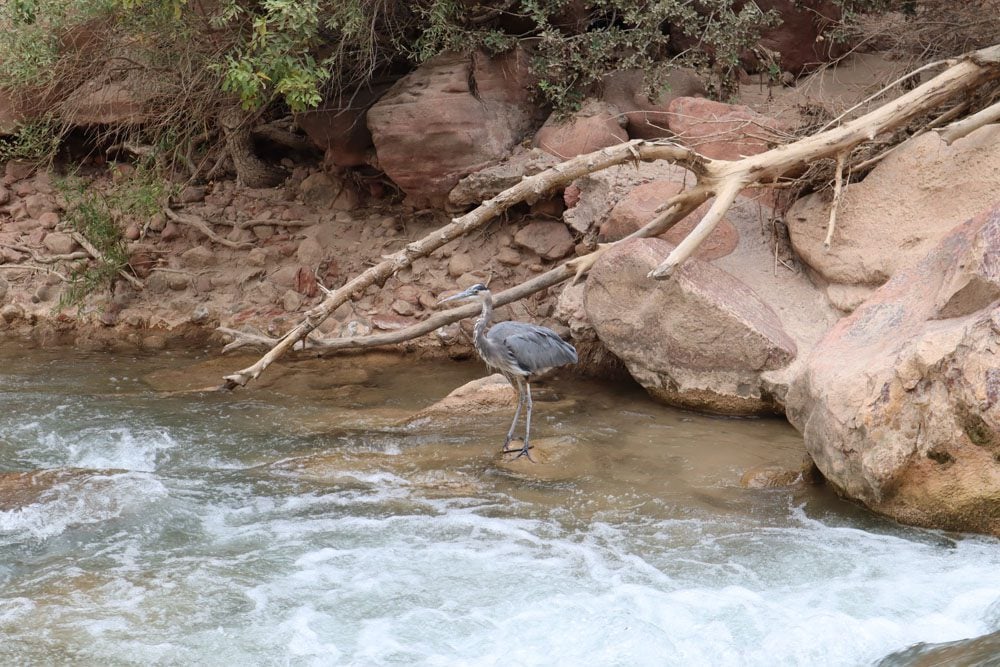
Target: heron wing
532,348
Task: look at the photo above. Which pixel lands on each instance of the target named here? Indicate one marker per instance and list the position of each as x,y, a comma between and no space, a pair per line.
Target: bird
519,351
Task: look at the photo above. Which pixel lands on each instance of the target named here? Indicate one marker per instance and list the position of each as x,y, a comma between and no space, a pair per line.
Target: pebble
157,222
402,307
459,264
509,257
291,301
11,312
4,286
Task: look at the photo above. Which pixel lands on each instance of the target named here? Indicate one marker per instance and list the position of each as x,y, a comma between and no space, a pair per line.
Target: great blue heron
519,351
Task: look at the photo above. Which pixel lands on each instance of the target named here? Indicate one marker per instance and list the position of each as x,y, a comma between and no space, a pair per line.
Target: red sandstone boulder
593,127
452,116
700,340
721,131
639,207
647,118
899,403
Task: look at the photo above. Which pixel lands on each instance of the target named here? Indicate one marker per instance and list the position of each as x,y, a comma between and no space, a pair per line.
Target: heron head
469,293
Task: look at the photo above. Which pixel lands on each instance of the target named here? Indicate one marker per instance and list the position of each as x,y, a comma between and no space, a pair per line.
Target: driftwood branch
838,188
969,72
968,125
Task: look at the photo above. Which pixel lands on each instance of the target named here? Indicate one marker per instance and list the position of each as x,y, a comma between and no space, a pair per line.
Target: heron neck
485,316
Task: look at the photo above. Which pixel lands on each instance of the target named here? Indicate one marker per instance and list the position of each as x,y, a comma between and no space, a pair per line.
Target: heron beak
457,297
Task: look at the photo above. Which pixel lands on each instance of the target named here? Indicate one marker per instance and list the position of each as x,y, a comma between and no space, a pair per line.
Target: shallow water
298,523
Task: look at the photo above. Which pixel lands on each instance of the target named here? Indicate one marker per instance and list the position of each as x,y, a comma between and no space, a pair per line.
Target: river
299,523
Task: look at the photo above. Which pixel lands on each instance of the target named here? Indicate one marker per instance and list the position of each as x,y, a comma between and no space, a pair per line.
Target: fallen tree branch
674,210
968,72
838,183
970,124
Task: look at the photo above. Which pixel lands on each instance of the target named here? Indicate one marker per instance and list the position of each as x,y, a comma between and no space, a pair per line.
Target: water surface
298,523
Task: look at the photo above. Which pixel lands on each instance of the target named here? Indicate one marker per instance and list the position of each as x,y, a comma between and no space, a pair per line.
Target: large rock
452,116
700,340
900,402
100,101
646,117
550,240
595,126
719,130
740,299
902,209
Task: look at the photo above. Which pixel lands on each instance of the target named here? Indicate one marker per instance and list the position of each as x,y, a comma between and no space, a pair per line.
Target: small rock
178,281
390,322
402,307
192,193
131,232
769,477
4,195
352,329
459,264
257,257
170,232
59,243
4,286
320,190
43,293
37,204
291,301
310,252
241,235
551,240
509,257
11,312
201,314
157,222
17,170
154,342
263,232
449,334
49,219
198,256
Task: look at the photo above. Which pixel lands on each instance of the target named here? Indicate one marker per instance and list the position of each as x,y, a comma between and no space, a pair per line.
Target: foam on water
95,499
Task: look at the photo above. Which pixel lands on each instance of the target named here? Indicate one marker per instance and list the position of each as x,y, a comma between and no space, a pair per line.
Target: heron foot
523,451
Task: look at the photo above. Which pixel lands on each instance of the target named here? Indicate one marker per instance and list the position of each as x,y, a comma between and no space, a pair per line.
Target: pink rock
639,207
899,404
593,127
721,131
701,340
432,127
550,240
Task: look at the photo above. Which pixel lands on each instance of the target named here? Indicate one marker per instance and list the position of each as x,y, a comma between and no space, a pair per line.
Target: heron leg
527,424
517,413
